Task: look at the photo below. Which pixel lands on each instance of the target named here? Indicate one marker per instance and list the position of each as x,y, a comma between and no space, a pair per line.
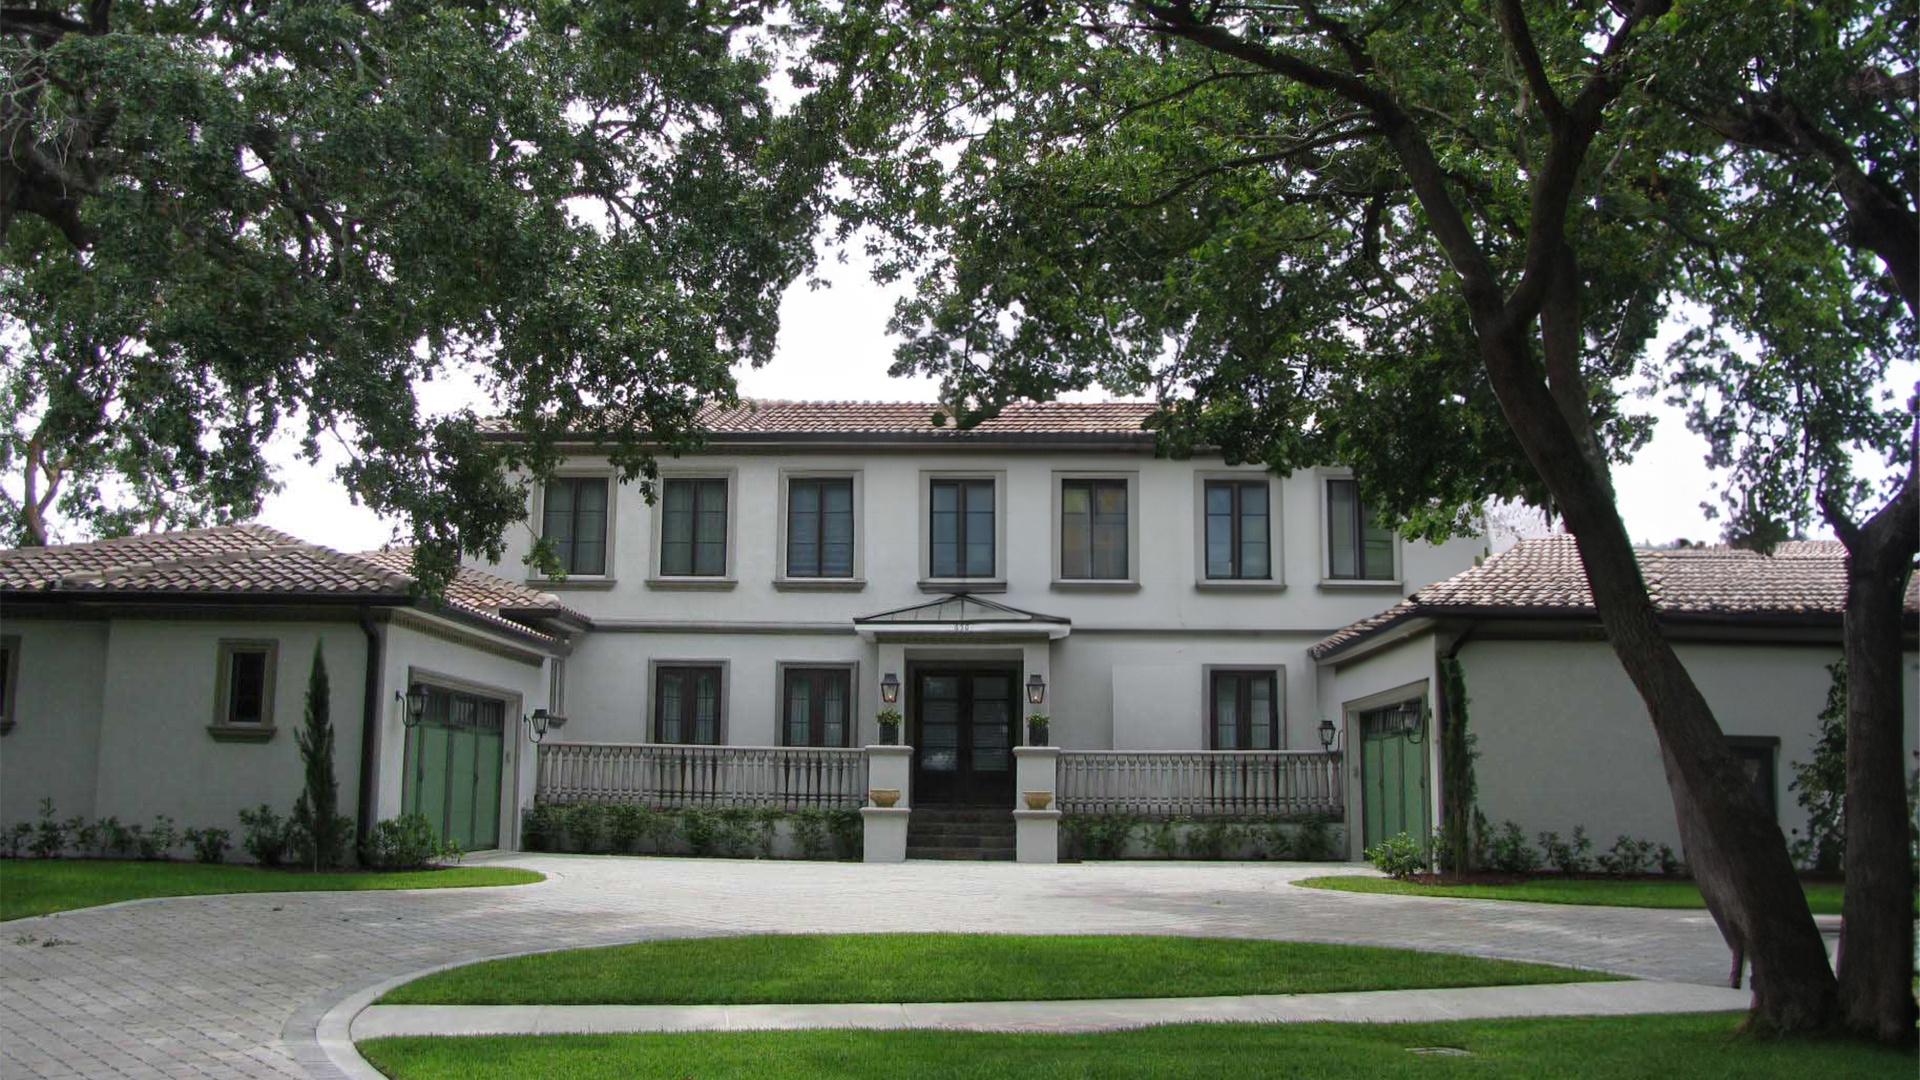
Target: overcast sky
833,346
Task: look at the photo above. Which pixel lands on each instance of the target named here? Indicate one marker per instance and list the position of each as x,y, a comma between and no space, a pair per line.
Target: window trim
1276,580
1770,744
995,583
9,698
1323,479
1058,484
654,668
728,577
852,672
225,729
1276,672
537,517
855,583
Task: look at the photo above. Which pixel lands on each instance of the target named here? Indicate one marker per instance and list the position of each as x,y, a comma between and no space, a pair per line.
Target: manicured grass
1824,899
1581,1048
814,969
38,887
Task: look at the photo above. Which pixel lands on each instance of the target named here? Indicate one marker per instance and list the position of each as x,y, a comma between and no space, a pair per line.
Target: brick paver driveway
227,987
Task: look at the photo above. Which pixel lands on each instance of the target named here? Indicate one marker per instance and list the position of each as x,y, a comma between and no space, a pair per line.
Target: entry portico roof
962,614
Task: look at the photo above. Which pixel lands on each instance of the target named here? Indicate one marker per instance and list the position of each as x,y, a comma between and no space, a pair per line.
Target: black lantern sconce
1327,734
416,702
1413,725
890,688
537,725
1036,689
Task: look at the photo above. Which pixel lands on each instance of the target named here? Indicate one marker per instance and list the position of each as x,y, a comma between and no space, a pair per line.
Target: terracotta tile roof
1108,418
253,560
1806,577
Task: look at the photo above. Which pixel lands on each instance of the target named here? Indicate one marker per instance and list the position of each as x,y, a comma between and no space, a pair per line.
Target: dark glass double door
962,734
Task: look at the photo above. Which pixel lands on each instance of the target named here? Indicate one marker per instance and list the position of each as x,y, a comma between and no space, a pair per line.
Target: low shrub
50,834
263,835
810,833
1313,840
86,834
1399,857
586,824
1627,857
14,841
159,841
1213,839
1670,863
1100,836
1511,853
115,838
849,832
338,841
1569,857
543,827
1162,836
209,845
407,842
626,827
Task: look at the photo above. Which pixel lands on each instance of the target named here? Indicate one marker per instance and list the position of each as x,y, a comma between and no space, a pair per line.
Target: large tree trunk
1876,968
1737,852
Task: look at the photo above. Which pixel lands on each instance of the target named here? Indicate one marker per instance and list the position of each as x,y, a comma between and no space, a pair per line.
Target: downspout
370,722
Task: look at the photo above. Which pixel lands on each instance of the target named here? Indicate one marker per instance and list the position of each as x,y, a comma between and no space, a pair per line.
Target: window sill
241,732
963,585
823,584
1240,585
693,584
580,582
1095,585
1375,585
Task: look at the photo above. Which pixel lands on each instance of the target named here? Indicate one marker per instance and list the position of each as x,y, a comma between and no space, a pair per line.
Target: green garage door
453,767
1393,773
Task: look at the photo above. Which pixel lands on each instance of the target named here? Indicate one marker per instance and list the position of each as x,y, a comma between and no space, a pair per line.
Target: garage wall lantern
537,725
416,702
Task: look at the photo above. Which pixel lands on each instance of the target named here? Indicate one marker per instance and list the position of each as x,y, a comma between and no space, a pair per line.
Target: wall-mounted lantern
1327,733
416,700
890,688
536,725
1036,689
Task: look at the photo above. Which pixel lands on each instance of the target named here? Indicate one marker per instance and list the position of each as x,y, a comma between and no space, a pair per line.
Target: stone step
943,828
967,854
960,841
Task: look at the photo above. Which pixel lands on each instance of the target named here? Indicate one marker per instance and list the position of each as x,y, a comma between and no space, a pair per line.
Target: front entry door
453,773
963,736
1393,774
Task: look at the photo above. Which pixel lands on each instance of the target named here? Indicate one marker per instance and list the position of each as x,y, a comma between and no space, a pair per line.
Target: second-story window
1237,529
820,528
693,528
962,528
1093,529
574,521
1358,549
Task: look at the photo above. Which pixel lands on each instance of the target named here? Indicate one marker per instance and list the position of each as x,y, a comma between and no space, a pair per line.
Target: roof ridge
250,528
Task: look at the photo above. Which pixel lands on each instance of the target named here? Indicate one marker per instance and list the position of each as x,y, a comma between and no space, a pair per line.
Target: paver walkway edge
1112,1014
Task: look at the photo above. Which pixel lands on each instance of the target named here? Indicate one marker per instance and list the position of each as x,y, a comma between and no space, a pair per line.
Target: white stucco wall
53,751
1130,675
1564,739
452,655
156,756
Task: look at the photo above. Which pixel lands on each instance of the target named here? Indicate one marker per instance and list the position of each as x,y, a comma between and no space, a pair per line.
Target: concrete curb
1374,1007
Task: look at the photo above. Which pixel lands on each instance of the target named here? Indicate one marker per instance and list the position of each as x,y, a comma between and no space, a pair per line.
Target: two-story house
821,561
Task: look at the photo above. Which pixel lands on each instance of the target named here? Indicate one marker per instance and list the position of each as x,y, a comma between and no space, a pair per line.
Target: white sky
833,346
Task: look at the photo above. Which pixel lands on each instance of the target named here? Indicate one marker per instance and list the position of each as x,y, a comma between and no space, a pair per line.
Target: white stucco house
167,674
1563,738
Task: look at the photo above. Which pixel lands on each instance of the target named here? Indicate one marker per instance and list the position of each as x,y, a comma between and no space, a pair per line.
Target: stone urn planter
884,797
1037,800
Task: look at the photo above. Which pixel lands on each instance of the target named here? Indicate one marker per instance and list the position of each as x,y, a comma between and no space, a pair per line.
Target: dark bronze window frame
961,485
1243,724
816,726
1093,486
700,488
569,563
1236,567
690,718
820,528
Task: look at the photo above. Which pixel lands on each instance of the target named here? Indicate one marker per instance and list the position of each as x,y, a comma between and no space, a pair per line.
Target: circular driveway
227,987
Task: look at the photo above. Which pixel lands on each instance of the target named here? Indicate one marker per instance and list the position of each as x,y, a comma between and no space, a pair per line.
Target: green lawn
1824,899
1581,1048
812,969
37,887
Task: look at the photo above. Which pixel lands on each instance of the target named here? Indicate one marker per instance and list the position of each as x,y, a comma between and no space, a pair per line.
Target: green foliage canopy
217,218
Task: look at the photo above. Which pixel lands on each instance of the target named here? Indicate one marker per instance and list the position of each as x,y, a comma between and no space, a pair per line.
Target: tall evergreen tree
316,813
